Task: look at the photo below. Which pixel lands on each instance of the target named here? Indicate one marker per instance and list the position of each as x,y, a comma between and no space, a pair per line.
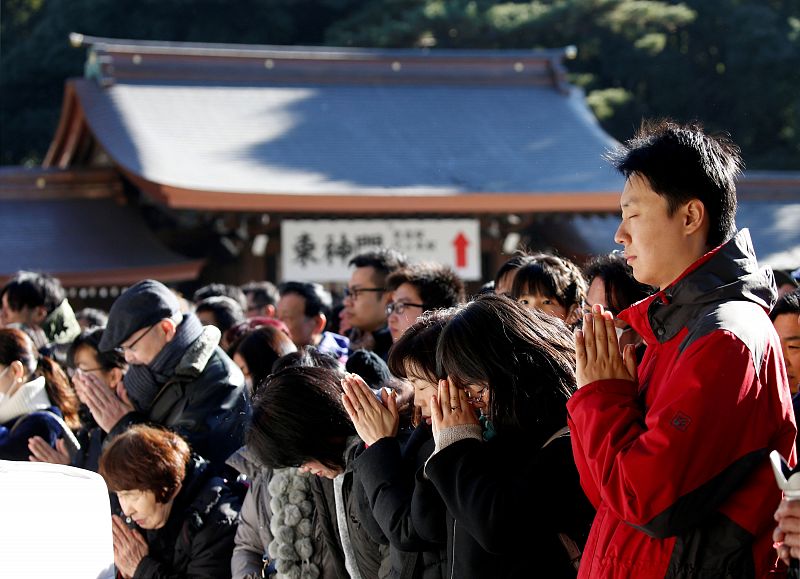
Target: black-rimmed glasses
353,292
399,308
130,347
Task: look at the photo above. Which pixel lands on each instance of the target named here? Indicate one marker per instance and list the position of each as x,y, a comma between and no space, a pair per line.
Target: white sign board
318,250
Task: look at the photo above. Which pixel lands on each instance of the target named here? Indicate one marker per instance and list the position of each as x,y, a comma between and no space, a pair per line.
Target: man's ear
269,311
694,216
320,321
169,327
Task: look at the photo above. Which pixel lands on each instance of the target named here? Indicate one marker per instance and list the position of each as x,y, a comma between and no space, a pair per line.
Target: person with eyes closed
673,451
417,289
179,519
84,357
299,421
516,368
177,376
387,467
36,400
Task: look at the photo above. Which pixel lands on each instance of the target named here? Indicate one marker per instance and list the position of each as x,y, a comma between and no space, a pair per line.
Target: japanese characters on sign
319,250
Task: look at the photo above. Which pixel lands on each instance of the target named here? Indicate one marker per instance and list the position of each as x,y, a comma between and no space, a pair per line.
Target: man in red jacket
673,453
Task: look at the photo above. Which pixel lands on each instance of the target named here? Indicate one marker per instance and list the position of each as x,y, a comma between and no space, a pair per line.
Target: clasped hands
106,405
597,350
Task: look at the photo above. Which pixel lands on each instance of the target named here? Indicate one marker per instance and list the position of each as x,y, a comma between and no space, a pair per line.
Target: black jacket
372,557
500,506
197,540
205,401
387,475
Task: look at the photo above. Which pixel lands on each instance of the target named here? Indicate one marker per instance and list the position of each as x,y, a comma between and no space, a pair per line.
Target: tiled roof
79,241
242,125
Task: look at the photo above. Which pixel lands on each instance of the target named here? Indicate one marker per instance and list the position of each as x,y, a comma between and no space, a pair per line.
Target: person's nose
126,506
130,357
621,235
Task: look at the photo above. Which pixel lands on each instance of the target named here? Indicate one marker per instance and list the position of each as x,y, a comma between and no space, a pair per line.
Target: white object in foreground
56,522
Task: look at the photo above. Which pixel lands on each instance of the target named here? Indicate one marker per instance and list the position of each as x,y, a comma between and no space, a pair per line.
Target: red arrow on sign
460,243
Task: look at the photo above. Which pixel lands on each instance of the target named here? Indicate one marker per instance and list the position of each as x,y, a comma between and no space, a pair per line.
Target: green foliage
605,102
37,57
732,64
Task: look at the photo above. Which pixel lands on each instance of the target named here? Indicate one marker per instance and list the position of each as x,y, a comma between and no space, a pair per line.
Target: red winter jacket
676,465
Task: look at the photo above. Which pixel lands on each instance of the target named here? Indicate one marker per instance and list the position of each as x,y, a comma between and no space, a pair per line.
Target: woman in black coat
510,468
187,516
386,468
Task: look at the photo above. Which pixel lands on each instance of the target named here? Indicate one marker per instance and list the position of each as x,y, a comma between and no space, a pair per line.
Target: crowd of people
605,419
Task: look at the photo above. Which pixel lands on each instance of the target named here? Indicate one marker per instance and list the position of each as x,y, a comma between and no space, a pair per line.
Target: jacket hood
246,462
61,326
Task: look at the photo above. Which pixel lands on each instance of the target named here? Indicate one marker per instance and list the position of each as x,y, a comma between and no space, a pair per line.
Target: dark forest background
734,65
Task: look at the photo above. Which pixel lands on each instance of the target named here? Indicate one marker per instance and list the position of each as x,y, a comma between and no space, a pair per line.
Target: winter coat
197,539
252,534
205,401
275,523
372,558
386,473
501,505
677,464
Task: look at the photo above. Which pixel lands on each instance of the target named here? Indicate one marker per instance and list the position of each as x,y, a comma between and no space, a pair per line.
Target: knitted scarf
143,382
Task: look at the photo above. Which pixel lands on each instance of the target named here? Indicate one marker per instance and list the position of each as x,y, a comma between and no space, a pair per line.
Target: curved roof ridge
121,45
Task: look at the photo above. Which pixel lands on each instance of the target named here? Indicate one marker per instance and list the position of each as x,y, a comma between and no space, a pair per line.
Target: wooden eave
342,204
18,183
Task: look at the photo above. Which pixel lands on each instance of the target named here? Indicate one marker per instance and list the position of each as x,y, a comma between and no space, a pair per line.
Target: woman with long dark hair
512,468
387,467
35,398
298,421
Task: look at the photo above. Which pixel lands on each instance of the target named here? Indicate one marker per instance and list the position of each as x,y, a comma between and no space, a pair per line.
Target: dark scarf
143,382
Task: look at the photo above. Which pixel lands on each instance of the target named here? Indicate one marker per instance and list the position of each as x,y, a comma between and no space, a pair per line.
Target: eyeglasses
353,292
399,308
477,396
130,347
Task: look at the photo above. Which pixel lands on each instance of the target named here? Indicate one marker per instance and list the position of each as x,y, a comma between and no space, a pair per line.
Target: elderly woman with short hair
186,516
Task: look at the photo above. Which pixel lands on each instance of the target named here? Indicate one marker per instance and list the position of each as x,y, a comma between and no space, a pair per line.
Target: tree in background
732,64
37,58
